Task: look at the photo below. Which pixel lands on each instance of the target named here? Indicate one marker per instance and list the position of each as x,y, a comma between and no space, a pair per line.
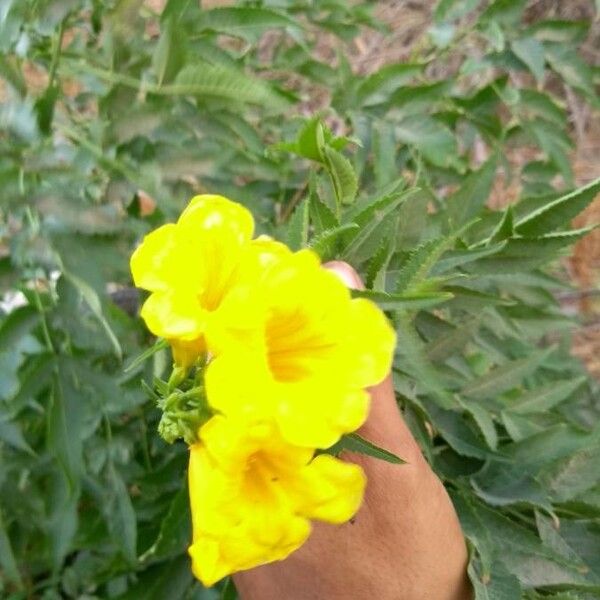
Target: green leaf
145,355
531,53
564,60
379,86
504,12
467,202
229,592
546,397
7,558
64,425
505,228
17,324
431,138
249,22
484,422
218,81
343,177
455,431
445,345
557,213
353,442
11,434
555,143
321,215
167,579
458,258
297,230
324,244
416,301
169,55
413,358
93,301
376,272
559,31
175,529
504,377
371,217
499,584
121,517
450,10
421,260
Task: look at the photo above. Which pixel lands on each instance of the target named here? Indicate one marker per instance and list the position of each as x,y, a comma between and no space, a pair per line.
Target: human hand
404,543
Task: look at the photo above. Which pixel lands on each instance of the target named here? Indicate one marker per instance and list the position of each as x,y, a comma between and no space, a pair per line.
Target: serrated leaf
297,229
467,202
505,228
531,52
455,431
556,213
416,301
504,377
376,270
372,217
484,422
421,260
378,86
249,22
219,81
564,60
545,397
324,243
413,358
353,442
453,341
431,138
458,258
499,584
342,174
169,54
93,301
554,141
321,215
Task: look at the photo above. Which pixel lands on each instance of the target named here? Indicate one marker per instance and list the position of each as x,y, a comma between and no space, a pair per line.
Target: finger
384,425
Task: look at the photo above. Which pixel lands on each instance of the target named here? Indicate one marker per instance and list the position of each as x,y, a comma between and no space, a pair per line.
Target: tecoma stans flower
190,266
252,496
307,361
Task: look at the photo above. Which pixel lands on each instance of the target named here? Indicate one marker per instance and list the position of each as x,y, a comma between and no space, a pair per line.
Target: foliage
113,116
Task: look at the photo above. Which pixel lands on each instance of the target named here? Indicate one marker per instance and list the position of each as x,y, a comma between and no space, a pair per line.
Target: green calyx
184,410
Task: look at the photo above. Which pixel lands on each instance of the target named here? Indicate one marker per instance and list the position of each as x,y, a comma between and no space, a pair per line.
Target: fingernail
345,273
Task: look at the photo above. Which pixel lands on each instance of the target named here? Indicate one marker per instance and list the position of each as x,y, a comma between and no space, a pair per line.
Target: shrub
113,116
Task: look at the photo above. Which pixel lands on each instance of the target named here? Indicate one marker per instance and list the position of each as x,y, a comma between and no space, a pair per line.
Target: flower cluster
272,358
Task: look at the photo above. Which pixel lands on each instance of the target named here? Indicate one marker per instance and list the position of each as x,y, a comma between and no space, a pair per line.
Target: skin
405,543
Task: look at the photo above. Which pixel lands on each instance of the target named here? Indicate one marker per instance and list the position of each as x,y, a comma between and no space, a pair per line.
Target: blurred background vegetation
448,137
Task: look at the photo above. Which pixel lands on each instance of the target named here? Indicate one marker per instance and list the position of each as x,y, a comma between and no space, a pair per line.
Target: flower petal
157,261
174,315
331,490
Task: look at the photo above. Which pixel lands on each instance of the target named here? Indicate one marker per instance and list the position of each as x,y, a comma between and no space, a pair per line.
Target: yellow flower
190,266
252,495
304,358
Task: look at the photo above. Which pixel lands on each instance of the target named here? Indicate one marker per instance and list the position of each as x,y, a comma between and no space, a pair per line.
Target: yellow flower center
295,347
